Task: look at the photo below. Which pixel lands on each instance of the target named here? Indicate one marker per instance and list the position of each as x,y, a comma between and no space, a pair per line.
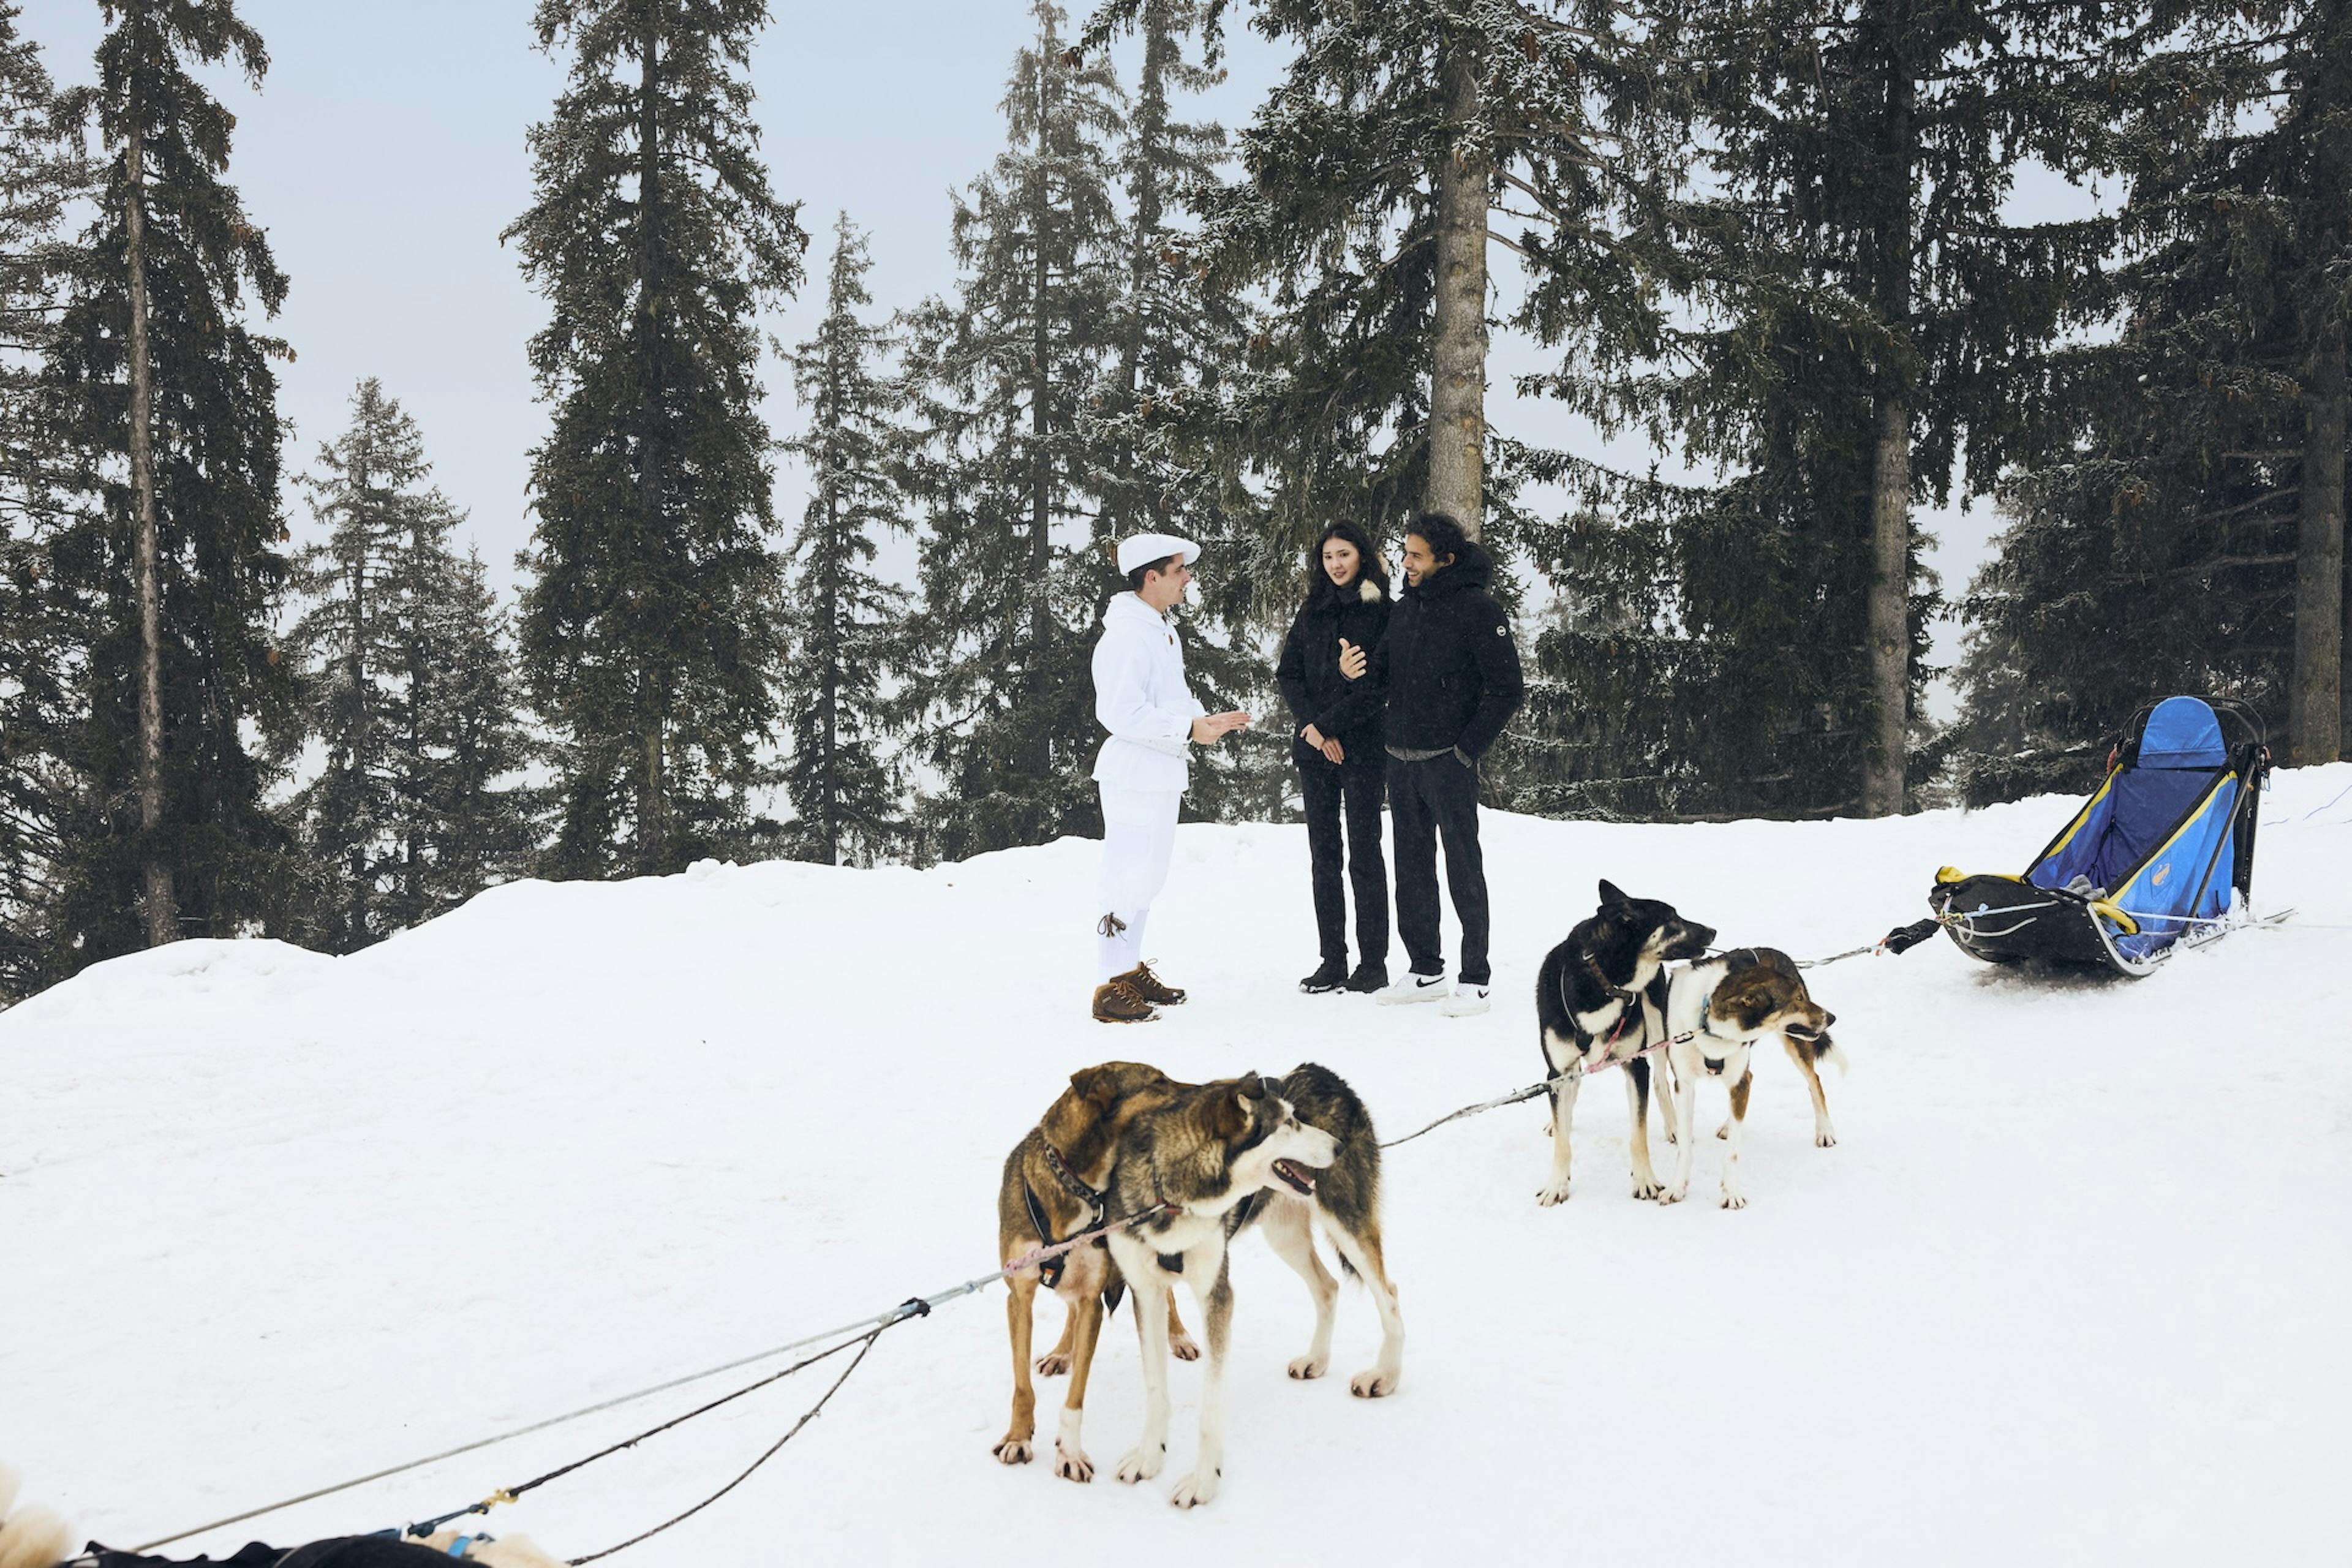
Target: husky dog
1220,1157
1723,1005
1345,1207
1599,996
1051,1190
35,1538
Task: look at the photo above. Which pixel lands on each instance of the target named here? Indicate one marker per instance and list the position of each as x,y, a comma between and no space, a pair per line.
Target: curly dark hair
1441,533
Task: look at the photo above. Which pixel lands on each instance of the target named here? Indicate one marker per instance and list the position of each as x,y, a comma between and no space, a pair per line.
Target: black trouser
1438,794
1360,788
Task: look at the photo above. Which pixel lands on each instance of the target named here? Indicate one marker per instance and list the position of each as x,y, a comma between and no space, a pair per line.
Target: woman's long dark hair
1369,564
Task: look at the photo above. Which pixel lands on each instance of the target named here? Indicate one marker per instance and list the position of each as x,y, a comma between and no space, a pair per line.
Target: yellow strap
2105,910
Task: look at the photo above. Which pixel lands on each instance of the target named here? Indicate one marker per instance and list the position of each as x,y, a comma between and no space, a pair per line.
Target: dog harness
1097,1205
1627,1001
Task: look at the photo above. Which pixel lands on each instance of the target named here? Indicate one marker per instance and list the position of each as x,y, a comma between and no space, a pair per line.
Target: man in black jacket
1450,673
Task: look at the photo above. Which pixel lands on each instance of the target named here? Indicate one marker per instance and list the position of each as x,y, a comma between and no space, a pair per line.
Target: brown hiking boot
1150,987
1118,1001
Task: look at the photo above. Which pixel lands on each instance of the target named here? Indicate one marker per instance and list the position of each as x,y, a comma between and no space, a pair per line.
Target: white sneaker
1465,1001
1414,988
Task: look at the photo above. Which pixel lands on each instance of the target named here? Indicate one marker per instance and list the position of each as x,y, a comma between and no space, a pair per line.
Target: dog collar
1594,965
1069,1178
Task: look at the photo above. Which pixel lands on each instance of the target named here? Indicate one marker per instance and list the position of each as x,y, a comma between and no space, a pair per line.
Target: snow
2069,1289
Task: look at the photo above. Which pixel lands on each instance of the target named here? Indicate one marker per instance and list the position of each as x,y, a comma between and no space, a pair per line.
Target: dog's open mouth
1714,1065
1296,1176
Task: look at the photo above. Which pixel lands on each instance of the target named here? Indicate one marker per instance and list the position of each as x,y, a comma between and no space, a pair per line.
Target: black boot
1329,976
1369,977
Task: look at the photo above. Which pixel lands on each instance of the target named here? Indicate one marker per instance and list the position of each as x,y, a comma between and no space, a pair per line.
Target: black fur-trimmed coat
1312,687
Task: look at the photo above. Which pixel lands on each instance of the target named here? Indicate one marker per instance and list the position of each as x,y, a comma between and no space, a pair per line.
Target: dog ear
1230,1111
1610,894
1098,1085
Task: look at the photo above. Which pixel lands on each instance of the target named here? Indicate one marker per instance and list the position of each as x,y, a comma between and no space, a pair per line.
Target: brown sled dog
1051,1189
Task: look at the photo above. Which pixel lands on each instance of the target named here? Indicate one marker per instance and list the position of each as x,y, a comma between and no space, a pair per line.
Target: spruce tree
650,629
173,407
1161,414
1865,327
2194,494
407,684
1015,559
472,822
1402,142
42,630
843,619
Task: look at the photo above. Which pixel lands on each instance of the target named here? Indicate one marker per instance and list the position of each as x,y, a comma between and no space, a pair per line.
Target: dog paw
1372,1384
1072,1466
1053,1365
1184,1347
1648,1189
1824,1140
1556,1193
1307,1366
1196,1489
1142,1464
1014,1451
1674,1194
1734,1200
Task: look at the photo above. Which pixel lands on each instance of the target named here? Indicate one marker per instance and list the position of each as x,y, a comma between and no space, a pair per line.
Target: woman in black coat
1342,768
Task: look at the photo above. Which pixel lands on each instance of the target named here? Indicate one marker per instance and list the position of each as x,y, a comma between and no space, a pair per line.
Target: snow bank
2068,1289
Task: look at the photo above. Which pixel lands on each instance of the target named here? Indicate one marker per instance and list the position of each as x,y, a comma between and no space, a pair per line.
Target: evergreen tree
2195,494
1865,327
843,619
650,630
1015,559
173,407
407,682
42,632
1399,142
471,823
1161,415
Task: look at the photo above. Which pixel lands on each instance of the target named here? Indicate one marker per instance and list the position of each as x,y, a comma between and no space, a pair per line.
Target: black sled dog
1601,997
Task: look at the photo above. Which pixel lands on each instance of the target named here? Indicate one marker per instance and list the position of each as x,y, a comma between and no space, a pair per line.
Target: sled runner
2163,852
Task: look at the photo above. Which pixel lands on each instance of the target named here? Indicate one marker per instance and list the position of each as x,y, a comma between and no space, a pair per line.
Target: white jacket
1140,698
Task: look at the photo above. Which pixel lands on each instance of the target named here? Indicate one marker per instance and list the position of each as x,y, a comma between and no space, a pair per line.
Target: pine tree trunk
2315,698
420,693
1457,392
356,671
829,786
1889,611
1889,606
162,906
653,850
1041,502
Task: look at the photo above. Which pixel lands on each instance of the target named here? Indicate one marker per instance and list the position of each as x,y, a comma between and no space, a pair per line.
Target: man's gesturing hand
1211,727
1351,660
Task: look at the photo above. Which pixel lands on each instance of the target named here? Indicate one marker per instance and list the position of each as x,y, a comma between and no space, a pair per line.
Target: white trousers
1139,834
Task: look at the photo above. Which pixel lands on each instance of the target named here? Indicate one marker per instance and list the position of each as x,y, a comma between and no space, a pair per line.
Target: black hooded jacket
1312,687
1448,672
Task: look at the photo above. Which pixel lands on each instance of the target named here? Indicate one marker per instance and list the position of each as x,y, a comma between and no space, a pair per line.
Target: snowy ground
2071,1289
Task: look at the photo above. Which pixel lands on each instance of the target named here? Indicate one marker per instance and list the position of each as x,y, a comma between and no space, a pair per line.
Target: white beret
1143,549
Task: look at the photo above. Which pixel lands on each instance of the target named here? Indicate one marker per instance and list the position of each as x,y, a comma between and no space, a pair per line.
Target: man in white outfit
1152,716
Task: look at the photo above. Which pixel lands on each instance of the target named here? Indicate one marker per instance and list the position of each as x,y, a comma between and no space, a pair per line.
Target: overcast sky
384,151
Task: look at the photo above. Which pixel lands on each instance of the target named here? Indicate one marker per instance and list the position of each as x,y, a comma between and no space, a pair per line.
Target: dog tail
30,1537
1826,1049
